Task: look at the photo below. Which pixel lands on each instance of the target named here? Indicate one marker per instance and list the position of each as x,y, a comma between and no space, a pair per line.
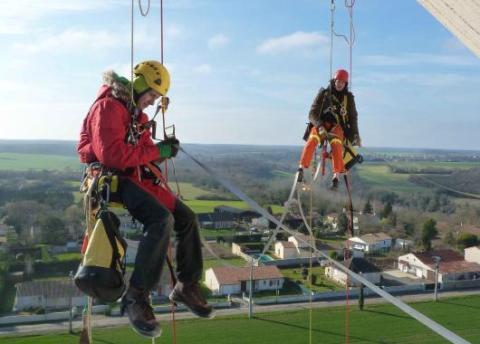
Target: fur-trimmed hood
119,86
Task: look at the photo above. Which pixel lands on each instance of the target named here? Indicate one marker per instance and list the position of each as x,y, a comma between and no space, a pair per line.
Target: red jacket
103,138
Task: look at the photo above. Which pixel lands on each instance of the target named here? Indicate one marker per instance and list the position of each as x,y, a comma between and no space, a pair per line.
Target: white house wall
472,254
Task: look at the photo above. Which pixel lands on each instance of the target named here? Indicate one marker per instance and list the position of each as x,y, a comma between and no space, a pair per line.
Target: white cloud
218,40
296,40
203,69
71,40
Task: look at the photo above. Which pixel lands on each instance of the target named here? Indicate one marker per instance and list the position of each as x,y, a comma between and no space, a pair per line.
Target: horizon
51,141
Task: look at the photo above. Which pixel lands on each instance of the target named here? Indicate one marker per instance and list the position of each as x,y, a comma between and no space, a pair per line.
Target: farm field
376,324
206,206
379,176
25,162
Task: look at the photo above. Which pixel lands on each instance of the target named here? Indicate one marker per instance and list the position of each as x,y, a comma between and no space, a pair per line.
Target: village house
472,254
233,280
371,242
452,266
358,265
50,294
285,250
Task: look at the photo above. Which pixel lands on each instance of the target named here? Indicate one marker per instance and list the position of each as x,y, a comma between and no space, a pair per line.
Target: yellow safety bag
350,155
101,273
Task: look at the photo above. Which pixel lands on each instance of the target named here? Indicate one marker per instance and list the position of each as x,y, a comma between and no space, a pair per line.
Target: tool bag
350,155
101,273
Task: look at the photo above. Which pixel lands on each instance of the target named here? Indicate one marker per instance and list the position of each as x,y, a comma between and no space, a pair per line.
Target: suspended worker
114,134
333,117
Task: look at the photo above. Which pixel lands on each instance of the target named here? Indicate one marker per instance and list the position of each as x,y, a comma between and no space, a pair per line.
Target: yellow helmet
155,74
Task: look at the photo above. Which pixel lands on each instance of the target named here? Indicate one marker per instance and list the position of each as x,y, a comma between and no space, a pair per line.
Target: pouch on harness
101,272
100,275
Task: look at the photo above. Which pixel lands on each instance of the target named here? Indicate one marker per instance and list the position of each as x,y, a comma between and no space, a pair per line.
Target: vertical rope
332,11
161,31
347,303
172,304
312,242
131,52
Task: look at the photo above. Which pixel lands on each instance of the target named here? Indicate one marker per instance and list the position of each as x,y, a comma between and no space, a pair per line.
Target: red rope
172,304
347,304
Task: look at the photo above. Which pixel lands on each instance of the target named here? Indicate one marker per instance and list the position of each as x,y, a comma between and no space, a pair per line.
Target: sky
243,71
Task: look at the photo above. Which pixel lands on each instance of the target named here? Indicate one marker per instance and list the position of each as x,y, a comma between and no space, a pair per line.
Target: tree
367,208
409,228
342,223
429,232
467,240
449,239
386,211
53,230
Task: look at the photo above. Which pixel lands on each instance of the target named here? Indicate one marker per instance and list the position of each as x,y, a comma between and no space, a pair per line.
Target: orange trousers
335,138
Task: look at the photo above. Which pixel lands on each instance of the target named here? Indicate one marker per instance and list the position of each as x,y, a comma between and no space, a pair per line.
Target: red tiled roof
232,275
450,261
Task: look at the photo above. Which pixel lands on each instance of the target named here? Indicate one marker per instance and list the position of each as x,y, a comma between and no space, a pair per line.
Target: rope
434,326
131,52
161,31
142,12
347,303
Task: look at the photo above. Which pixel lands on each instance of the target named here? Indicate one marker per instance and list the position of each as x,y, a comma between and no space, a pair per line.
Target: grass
189,191
213,233
206,206
322,284
68,256
379,176
376,324
24,162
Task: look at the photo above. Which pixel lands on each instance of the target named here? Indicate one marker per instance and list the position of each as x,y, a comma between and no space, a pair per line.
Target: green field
379,176
23,162
188,191
201,206
376,324
447,165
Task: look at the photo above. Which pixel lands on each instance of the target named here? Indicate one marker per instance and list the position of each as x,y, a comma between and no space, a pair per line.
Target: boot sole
180,300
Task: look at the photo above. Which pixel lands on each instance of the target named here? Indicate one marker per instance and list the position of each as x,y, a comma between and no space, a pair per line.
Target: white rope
434,326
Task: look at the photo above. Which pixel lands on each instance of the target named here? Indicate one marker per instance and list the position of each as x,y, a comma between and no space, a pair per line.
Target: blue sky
243,71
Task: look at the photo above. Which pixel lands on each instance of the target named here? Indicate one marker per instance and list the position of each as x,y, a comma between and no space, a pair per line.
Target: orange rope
172,304
347,304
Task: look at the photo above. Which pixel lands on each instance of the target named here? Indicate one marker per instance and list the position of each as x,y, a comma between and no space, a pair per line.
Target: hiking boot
136,303
334,186
190,295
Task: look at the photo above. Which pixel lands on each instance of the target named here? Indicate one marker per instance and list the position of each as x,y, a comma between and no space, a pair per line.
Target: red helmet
341,75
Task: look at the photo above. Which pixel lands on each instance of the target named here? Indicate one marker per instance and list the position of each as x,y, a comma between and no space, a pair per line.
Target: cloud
71,40
218,40
203,69
294,41
409,59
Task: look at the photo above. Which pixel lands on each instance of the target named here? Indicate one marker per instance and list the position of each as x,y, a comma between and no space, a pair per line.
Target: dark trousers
158,223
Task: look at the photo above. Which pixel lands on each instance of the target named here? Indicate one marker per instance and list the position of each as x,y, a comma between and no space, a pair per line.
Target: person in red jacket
114,133
333,117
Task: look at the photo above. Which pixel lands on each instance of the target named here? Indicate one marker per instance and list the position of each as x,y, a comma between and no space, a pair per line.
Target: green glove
165,149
